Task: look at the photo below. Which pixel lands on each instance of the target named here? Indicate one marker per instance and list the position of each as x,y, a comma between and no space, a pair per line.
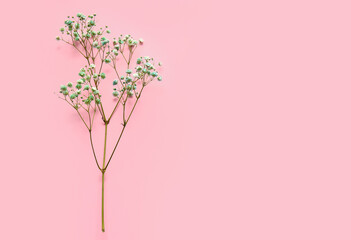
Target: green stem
103,182
102,205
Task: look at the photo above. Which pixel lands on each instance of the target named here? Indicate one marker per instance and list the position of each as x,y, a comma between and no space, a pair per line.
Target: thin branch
92,147
82,119
124,126
116,106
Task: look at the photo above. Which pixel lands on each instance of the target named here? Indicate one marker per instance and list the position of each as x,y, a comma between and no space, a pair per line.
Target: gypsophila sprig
102,51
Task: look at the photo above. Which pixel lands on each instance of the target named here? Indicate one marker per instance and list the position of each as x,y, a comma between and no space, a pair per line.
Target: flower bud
149,66
63,87
129,71
115,93
130,42
91,23
104,41
69,84
115,82
86,87
68,22
103,75
128,79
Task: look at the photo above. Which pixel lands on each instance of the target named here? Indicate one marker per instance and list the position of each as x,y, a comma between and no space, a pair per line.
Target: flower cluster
80,27
84,90
94,44
144,73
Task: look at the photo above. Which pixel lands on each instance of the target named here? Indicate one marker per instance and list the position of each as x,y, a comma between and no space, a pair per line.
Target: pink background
247,137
